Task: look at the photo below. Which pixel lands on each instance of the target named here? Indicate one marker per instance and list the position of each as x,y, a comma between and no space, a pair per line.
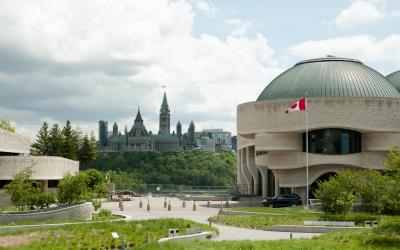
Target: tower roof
329,77
164,105
138,117
138,129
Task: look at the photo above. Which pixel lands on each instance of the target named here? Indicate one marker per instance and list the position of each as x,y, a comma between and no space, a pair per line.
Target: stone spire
115,129
138,118
164,117
179,130
190,138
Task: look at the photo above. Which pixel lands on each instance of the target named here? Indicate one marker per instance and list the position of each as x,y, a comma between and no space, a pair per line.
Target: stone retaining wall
75,212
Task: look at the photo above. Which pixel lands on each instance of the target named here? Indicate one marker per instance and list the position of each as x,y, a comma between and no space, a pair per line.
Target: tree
393,161
56,141
83,186
337,194
22,189
372,189
42,144
70,142
87,151
6,125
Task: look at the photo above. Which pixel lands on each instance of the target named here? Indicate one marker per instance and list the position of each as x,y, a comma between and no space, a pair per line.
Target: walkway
131,208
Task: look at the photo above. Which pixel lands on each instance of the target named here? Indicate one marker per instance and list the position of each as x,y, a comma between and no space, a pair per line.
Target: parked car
283,200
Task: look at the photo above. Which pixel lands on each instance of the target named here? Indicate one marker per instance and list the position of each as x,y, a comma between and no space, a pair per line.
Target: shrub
336,195
84,186
23,190
104,213
96,204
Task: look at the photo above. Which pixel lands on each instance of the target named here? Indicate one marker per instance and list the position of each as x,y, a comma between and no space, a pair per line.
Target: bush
43,199
104,214
336,195
372,190
84,186
96,204
23,190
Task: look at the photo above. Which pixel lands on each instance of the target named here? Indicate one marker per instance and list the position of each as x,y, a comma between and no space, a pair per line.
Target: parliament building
139,139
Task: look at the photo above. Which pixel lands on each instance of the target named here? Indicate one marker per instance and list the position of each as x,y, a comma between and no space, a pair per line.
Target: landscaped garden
95,235
134,234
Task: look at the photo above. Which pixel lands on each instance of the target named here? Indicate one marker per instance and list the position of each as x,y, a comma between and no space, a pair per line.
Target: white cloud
358,13
239,27
396,13
363,47
93,60
207,8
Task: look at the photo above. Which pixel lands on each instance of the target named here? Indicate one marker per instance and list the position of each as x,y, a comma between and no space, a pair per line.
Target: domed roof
330,77
394,79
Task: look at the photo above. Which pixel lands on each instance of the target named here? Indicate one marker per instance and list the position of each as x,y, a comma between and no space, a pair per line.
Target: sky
100,59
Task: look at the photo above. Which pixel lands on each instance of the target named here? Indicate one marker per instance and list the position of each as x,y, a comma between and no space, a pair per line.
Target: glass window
333,141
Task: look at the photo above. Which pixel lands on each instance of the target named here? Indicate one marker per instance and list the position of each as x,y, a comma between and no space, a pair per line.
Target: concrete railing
81,211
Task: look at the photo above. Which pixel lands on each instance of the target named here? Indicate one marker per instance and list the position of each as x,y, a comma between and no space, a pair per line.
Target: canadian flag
300,105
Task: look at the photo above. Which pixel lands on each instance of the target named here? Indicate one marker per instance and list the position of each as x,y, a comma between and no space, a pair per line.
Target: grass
8,208
287,216
96,235
96,217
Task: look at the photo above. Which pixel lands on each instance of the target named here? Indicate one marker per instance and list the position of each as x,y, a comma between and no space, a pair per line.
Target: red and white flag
300,105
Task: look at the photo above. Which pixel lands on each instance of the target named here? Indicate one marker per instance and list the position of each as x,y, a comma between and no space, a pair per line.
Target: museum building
353,120
15,157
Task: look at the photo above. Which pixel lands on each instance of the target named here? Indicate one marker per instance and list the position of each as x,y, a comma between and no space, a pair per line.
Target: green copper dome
330,77
394,79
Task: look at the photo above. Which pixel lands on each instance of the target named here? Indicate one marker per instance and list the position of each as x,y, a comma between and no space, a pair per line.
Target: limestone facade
270,142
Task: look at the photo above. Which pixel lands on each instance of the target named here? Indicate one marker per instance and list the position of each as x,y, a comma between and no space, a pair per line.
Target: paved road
202,213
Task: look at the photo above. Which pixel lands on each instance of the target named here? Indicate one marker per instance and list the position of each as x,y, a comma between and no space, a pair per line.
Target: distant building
234,143
103,133
138,138
206,143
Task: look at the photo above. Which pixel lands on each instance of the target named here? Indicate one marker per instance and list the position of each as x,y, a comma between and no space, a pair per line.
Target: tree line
195,168
65,142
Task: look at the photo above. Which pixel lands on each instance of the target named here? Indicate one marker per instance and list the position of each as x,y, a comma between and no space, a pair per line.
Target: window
333,141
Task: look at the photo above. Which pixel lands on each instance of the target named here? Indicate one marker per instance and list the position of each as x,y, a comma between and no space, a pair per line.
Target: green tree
22,189
372,188
56,141
42,144
393,161
83,186
6,125
70,142
87,151
337,194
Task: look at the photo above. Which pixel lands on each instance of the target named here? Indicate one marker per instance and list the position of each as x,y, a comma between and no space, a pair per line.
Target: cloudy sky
100,59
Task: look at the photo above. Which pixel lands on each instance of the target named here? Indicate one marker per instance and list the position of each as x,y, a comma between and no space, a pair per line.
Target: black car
283,200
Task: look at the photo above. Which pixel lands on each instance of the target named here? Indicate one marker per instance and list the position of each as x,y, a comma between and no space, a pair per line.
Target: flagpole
307,190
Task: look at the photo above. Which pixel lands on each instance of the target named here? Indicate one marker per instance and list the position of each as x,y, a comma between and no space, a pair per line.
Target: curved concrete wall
75,212
13,143
44,167
277,143
360,114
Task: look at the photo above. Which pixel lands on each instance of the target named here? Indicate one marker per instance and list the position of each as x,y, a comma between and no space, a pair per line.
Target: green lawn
94,235
287,216
96,217
98,236
8,208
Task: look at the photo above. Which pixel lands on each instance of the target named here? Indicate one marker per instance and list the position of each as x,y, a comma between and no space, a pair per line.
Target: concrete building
14,157
353,120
